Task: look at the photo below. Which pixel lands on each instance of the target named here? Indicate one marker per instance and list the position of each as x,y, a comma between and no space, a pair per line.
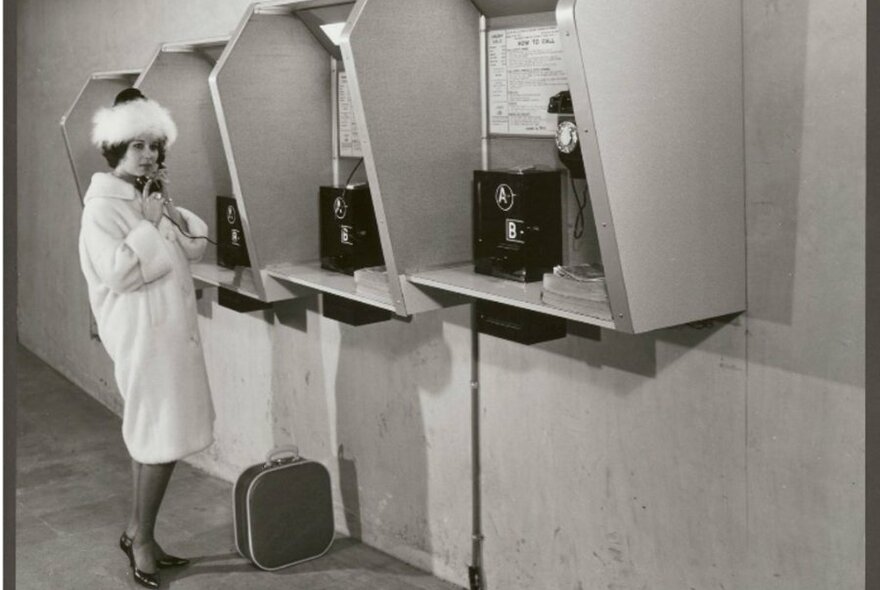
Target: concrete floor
73,497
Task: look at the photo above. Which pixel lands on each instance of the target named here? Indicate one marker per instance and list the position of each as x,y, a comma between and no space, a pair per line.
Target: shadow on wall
774,130
382,369
804,86
379,443
642,355
298,408
633,354
348,488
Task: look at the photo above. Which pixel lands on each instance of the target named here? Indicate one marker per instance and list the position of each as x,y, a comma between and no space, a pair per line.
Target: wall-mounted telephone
232,248
567,144
569,150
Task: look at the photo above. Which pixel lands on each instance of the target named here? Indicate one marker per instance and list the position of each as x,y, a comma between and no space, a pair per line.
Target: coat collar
106,185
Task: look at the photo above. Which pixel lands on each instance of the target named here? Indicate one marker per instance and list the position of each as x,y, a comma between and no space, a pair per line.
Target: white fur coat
141,293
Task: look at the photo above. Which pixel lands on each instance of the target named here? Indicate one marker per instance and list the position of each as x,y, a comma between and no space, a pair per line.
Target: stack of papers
579,288
372,282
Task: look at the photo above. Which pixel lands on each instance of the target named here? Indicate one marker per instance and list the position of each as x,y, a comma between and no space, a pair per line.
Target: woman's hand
153,203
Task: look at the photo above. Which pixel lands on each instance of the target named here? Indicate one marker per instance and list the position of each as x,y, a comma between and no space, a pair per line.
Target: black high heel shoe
143,578
125,545
166,562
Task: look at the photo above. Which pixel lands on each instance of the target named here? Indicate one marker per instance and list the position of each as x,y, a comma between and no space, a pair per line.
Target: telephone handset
141,181
567,144
569,151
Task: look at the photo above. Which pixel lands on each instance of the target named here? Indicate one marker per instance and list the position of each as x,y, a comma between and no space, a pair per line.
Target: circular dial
566,137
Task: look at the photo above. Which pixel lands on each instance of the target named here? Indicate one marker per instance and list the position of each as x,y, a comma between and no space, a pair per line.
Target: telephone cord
165,215
582,203
350,176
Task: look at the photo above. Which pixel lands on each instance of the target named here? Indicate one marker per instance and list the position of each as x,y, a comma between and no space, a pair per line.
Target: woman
135,248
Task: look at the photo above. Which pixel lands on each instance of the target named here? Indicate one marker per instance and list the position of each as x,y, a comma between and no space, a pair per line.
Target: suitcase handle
272,457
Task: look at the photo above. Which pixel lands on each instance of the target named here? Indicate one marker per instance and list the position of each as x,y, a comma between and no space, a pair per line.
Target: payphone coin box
239,302
517,223
517,324
349,236
353,313
231,246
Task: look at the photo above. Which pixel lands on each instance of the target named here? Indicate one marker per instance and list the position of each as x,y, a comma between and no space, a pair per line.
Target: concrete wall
725,458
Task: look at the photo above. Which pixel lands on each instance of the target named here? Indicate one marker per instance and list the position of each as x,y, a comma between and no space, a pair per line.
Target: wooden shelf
463,280
311,275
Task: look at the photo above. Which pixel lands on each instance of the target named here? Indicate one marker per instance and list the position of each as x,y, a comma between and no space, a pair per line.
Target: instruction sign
349,144
525,70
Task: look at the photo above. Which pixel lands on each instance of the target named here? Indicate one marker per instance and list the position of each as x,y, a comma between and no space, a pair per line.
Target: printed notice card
525,70
349,144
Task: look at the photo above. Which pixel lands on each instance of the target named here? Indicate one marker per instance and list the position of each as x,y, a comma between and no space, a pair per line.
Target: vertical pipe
475,572
334,118
484,95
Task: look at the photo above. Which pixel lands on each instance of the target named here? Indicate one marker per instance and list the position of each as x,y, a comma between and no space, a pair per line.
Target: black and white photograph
436,295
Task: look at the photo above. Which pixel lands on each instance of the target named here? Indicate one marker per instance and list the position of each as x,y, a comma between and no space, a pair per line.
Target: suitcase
283,510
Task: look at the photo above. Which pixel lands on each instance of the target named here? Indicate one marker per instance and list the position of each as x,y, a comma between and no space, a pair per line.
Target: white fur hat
127,120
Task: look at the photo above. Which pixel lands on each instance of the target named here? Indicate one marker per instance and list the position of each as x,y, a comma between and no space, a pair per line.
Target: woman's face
141,155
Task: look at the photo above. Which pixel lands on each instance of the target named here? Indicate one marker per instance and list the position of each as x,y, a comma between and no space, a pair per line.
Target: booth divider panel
333,12
212,52
514,152
493,8
671,151
274,87
86,159
417,74
76,126
196,162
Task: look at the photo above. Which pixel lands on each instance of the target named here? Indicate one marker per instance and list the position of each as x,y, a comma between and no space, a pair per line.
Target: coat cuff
146,242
